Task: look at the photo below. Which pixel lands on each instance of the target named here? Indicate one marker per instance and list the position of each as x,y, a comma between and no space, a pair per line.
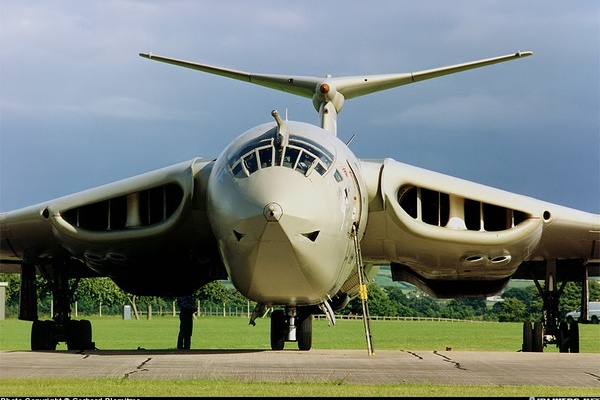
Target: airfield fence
237,312
245,312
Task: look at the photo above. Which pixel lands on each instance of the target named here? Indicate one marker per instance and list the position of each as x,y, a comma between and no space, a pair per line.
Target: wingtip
524,53
146,55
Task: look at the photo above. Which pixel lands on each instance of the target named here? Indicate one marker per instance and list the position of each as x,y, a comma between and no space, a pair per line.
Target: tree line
101,296
515,304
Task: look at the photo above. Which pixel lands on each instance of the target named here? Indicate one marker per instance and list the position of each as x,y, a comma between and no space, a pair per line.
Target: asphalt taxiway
386,366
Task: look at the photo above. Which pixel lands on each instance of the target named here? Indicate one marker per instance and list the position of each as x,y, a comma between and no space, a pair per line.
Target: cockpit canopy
271,149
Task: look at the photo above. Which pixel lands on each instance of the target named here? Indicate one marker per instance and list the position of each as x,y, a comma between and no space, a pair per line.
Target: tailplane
329,93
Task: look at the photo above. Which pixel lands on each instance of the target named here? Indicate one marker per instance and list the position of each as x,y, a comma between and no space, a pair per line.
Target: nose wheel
291,325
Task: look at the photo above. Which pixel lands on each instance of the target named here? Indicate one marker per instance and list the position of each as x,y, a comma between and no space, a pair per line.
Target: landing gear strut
550,330
45,335
291,325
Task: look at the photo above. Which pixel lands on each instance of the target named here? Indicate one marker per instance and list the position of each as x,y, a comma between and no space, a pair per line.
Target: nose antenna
278,119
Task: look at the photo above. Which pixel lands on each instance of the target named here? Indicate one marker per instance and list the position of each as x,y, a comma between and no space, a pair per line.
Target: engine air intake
138,209
454,212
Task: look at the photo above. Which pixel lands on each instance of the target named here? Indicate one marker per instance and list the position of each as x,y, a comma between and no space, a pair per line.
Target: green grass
211,388
160,333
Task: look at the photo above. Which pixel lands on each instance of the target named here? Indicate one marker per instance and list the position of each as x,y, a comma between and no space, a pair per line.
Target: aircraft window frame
303,155
338,176
305,162
265,140
310,146
290,157
263,151
313,144
320,169
238,170
251,162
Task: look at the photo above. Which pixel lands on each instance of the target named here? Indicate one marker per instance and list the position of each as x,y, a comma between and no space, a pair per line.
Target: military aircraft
298,224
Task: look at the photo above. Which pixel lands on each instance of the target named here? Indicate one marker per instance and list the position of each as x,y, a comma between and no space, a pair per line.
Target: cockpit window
304,162
300,154
311,147
338,176
290,157
266,156
250,162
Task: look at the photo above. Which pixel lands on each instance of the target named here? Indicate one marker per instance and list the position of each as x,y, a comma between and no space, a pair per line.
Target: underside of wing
453,237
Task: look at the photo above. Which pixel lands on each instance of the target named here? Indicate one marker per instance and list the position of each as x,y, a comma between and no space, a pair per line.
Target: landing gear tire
42,336
79,335
563,339
538,337
304,332
278,330
527,337
594,319
574,338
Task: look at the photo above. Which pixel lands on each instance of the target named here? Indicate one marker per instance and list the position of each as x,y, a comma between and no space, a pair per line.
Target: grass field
113,333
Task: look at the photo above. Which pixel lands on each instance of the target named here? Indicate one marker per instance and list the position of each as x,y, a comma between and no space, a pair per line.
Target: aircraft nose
273,212
281,243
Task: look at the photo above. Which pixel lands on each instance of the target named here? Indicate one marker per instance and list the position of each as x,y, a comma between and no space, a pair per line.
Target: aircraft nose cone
272,212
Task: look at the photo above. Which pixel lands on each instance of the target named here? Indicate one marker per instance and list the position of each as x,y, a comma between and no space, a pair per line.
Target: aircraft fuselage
282,202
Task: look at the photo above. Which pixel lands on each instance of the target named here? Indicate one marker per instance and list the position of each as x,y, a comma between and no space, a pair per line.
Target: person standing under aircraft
187,308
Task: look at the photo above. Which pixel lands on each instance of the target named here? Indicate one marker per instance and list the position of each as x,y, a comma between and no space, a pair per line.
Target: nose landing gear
291,325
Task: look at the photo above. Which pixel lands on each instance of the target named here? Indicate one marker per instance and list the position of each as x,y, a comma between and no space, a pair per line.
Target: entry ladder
362,279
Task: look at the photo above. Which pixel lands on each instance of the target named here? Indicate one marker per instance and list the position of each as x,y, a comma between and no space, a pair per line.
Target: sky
79,108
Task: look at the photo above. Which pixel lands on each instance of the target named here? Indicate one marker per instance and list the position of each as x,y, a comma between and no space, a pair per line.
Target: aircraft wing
453,237
126,230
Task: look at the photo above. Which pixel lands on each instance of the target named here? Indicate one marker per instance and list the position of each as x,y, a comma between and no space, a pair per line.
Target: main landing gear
45,335
535,337
550,330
